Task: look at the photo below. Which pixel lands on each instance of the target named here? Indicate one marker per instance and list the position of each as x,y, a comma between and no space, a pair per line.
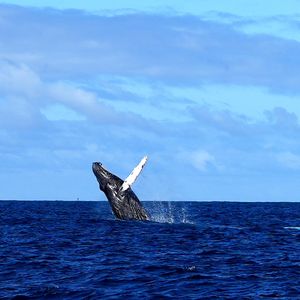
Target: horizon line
79,200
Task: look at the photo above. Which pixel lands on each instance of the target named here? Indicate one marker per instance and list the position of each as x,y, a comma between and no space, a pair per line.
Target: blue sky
208,89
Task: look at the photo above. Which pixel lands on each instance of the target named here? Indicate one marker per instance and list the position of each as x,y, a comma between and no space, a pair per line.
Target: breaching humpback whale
123,201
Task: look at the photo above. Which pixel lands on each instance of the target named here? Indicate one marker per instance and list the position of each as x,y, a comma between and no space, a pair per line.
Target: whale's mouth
97,167
102,175
97,164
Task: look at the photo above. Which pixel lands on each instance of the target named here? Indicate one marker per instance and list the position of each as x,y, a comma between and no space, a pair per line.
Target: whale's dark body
125,204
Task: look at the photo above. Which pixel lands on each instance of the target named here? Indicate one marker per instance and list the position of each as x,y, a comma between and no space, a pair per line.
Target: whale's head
105,178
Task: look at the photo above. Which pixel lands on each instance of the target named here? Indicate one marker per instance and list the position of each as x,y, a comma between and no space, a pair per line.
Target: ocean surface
190,250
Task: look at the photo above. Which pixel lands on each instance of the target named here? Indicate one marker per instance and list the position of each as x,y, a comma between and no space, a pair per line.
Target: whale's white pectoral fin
134,174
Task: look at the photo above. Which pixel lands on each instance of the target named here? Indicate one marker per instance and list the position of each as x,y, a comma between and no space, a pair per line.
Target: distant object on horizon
123,201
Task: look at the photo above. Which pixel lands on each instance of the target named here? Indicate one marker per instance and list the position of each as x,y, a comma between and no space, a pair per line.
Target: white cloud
201,159
201,51
17,112
59,80
58,112
25,95
18,79
289,160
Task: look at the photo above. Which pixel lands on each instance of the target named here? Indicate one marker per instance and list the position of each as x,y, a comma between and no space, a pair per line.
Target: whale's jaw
124,203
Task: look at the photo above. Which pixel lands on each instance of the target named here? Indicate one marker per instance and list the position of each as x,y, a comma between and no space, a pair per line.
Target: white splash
297,228
166,212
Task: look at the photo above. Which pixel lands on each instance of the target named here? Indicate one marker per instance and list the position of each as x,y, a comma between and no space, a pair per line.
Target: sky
208,89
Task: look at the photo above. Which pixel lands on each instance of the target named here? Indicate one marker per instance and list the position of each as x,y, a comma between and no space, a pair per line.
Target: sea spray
168,212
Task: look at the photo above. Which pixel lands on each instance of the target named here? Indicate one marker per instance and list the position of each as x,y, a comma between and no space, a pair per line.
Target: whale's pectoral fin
134,174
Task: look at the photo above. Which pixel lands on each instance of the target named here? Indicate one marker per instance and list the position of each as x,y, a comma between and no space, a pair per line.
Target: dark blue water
76,250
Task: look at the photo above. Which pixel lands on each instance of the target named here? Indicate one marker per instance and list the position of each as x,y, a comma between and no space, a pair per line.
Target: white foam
297,228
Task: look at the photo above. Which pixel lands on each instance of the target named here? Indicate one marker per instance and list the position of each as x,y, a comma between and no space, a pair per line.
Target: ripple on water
191,250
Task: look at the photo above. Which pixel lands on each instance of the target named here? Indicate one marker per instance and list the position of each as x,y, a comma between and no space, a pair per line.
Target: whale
124,203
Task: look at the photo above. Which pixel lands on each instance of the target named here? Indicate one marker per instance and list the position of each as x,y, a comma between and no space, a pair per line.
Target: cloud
289,160
70,147
26,96
234,143
185,50
282,118
202,159
68,98
18,79
221,120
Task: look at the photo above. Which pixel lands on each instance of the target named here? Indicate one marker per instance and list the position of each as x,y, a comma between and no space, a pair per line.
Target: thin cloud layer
173,49
77,88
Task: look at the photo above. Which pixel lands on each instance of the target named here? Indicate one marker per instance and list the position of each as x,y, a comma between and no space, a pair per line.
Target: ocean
189,250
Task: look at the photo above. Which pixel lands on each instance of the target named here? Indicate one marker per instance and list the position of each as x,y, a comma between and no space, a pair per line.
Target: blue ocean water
190,250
